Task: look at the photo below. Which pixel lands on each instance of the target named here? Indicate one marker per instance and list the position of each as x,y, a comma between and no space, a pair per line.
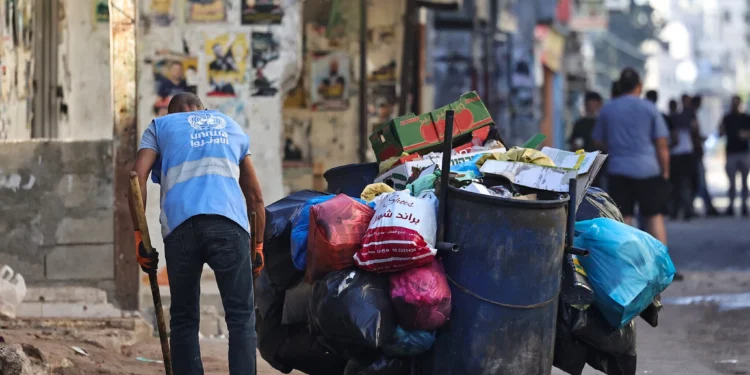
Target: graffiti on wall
266,67
206,11
227,62
261,11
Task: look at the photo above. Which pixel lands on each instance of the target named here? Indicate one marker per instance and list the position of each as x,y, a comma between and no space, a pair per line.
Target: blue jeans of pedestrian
225,247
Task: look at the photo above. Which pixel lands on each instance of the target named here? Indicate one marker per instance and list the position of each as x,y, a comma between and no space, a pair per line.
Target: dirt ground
111,351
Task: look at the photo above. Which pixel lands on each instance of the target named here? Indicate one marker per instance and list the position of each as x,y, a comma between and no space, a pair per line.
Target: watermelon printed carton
411,133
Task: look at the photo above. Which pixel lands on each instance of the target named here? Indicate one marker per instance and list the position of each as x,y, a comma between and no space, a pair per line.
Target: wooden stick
135,190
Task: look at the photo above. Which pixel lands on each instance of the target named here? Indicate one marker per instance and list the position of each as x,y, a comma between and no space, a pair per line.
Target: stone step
65,294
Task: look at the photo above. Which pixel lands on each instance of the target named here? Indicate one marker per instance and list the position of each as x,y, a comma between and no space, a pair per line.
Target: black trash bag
575,287
596,204
296,301
276,239
382,366
612,364
570,353
288,348
591,327
352,309
651,314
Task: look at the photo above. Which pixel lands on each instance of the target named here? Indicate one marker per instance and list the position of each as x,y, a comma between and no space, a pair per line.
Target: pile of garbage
355,285
603,293
351,286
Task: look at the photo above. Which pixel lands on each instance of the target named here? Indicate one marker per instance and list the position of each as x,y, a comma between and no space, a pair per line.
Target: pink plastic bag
422,297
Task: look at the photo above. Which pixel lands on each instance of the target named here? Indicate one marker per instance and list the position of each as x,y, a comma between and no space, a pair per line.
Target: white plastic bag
12,292
402,233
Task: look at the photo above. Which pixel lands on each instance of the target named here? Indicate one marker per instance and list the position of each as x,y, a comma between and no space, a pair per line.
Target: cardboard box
401,173
411,133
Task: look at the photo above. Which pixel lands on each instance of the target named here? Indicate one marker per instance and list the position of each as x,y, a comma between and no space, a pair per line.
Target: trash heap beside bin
356,285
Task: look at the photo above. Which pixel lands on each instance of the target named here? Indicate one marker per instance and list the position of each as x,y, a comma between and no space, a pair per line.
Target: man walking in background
580,138
682,161
653,97
736,126
699,176
201,159
634,134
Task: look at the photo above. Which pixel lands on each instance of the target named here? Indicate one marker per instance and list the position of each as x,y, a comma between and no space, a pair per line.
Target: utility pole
122,26
363,120
410,31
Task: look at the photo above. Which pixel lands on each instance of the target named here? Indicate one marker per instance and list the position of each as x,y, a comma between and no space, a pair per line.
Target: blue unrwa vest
198,166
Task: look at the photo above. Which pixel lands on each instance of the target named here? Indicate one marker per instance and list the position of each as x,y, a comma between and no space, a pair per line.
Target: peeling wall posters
266,75
101,10
329,71
173,73
161,12
206,10
261,11
382,103
227,61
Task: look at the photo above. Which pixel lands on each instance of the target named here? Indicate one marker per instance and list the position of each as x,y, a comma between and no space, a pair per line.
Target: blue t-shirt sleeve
148,140
660,129
245,147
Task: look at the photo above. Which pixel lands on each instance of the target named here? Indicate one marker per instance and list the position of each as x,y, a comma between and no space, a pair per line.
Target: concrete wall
83,73
56,204
16,66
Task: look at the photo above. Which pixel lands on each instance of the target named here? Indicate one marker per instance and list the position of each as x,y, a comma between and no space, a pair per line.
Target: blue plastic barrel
350,179
505,282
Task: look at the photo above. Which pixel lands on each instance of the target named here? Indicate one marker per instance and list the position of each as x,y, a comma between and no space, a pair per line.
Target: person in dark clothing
615,91
653,97
699,182
682,161
580,138
673,108
736,126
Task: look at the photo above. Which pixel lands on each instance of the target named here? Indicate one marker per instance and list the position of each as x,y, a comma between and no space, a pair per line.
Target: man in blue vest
201,159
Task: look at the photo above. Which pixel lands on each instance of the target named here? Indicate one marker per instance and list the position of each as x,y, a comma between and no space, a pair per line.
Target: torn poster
329,71
206,11
227,61
265,54
261,11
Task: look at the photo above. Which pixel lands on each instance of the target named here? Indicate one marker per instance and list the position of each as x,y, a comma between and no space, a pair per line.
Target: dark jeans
682,170
225,246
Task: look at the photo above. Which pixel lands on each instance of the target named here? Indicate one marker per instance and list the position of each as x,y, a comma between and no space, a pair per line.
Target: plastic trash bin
505,282
350,179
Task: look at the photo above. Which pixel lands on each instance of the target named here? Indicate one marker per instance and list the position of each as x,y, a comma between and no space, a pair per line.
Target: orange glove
149,262
259,260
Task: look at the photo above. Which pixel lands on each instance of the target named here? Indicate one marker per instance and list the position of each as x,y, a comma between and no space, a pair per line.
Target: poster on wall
265,54
329,71
160,12
227,61
384,73
173,73
261,11
101,10
206,11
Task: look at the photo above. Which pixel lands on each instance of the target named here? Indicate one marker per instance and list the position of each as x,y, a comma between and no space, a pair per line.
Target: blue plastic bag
409,343
300,227
627,267
469,166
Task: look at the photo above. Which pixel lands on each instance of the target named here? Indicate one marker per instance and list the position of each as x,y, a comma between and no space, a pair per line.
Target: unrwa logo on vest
203,122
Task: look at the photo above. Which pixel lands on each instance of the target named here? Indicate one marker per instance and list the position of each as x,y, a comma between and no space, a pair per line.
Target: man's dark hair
652,96
615,90
696,101
629,80
182,100
592,96
672,104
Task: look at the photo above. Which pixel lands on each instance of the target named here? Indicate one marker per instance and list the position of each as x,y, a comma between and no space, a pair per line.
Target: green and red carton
411,133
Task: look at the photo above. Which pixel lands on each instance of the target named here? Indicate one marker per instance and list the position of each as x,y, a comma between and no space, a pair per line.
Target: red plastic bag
335,235
422,297
402,233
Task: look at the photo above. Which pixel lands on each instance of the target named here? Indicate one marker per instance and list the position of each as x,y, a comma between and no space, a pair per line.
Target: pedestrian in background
682,162
699,183
580,137
634,134
653,97
673,110
736,126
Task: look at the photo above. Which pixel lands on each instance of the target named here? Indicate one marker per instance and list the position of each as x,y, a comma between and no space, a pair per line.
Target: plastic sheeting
277,238
626,266
422,297
352,309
